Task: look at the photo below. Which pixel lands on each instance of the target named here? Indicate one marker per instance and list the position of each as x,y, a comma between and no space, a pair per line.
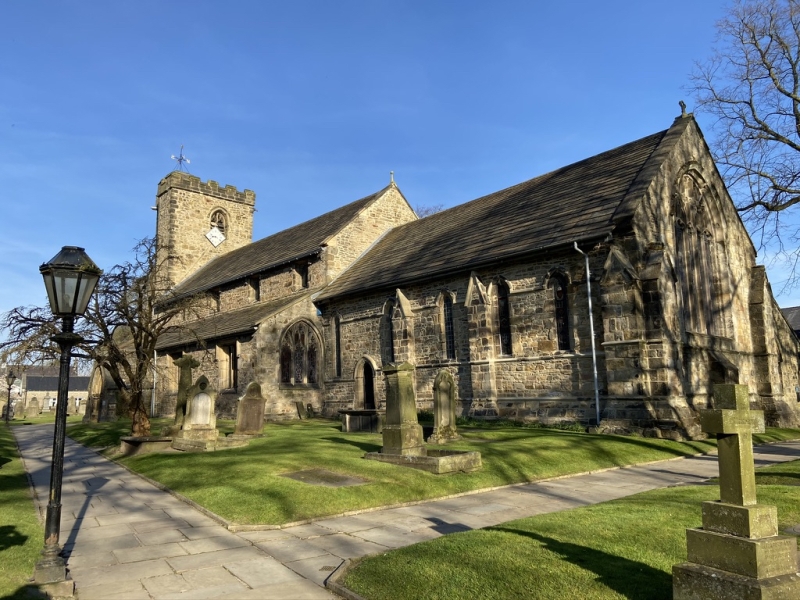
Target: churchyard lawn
21,534
246,486
619,549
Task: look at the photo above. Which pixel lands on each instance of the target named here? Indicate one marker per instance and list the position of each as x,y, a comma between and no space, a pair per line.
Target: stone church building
494,291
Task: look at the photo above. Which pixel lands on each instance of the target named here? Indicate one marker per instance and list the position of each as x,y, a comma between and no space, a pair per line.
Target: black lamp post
10,378
70,278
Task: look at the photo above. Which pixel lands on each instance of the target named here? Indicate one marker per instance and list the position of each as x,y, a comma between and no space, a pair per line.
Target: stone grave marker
32,409
250,412
737,554
70,406
185,364
444,409
200,422
402,433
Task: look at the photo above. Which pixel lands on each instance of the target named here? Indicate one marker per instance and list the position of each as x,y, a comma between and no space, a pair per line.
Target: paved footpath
127,539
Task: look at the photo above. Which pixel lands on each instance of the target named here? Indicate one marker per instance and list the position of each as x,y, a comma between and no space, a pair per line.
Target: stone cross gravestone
444,409
185,364
737,554
402,433
250,412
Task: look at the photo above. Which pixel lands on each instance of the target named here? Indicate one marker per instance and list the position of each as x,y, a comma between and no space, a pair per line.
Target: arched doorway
364,384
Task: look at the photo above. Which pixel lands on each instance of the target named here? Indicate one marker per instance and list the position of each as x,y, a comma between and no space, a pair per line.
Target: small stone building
496,292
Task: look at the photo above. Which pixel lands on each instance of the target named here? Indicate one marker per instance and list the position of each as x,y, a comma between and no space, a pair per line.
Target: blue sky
311,104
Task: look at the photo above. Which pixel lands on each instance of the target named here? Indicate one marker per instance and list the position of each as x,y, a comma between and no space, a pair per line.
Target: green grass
244,485
21,534
619,549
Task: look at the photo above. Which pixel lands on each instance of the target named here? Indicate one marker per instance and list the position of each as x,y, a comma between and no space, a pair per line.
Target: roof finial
682,104
391,176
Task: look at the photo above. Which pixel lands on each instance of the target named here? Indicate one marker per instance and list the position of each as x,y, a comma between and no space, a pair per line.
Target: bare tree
426,211
131,308
751,85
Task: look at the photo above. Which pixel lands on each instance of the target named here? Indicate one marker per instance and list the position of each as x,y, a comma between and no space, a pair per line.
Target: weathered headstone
32,409
737,554
402,433
185,364
199,431
444,409
250,412
70,406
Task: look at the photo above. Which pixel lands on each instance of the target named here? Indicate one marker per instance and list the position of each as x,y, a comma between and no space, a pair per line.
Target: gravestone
185,364
250,412
444,409
737,554
32,409
199,423
81,408
402,434
70,406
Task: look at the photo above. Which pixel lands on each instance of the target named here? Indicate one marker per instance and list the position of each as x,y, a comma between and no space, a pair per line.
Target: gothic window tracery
299,356
695,254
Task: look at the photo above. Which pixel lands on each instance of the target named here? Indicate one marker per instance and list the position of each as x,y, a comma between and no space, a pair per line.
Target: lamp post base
50,576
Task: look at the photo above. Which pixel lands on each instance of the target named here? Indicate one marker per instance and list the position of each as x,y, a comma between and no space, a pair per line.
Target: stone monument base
404,439
697,582
433,461
369,420
130,445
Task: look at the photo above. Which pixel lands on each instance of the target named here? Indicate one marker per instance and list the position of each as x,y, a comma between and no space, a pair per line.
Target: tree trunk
140,422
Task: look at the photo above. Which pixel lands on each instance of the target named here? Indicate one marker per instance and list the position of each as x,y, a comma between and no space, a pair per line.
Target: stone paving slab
124,538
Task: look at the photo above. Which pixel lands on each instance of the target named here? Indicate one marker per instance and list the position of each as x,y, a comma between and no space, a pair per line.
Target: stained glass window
300,355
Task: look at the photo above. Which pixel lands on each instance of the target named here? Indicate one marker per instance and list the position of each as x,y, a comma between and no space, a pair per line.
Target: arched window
218,220
504,318
299,356
449,331
337,342
387,332
561,310
694,250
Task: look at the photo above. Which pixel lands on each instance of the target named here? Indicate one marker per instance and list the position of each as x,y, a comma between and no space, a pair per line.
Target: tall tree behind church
751,84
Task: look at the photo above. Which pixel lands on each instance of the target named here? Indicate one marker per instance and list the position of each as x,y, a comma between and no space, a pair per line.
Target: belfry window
504,318
561,311
218,220
449,331
299,357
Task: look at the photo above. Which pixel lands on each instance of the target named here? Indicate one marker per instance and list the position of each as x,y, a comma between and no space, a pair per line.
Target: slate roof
38,383
283,247
792,315
583,200
228,323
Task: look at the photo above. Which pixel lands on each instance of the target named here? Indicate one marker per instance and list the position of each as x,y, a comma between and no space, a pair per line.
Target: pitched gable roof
584,200
280,248
792,315
243,320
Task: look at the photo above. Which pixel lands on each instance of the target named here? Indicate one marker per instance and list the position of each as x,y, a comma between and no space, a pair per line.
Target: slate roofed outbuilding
39,383
281,248
582,201
234,322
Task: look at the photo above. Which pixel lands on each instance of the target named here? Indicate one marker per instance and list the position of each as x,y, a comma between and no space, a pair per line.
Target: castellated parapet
190,183
188,209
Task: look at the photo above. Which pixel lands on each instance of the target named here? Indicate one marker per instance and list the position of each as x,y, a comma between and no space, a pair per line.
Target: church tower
199,221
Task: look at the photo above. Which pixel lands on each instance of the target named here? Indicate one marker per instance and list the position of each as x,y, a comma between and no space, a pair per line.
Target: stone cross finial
391,176
682,104
734,424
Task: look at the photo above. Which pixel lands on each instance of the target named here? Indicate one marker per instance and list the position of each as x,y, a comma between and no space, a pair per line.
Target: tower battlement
191,183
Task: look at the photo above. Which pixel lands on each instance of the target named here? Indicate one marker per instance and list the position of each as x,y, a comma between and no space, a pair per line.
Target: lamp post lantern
10,378
70,278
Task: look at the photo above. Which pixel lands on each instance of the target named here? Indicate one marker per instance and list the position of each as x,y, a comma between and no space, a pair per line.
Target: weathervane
180,159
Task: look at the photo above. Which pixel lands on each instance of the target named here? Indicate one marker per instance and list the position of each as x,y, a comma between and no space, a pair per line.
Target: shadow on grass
629,578
9,536
365,446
